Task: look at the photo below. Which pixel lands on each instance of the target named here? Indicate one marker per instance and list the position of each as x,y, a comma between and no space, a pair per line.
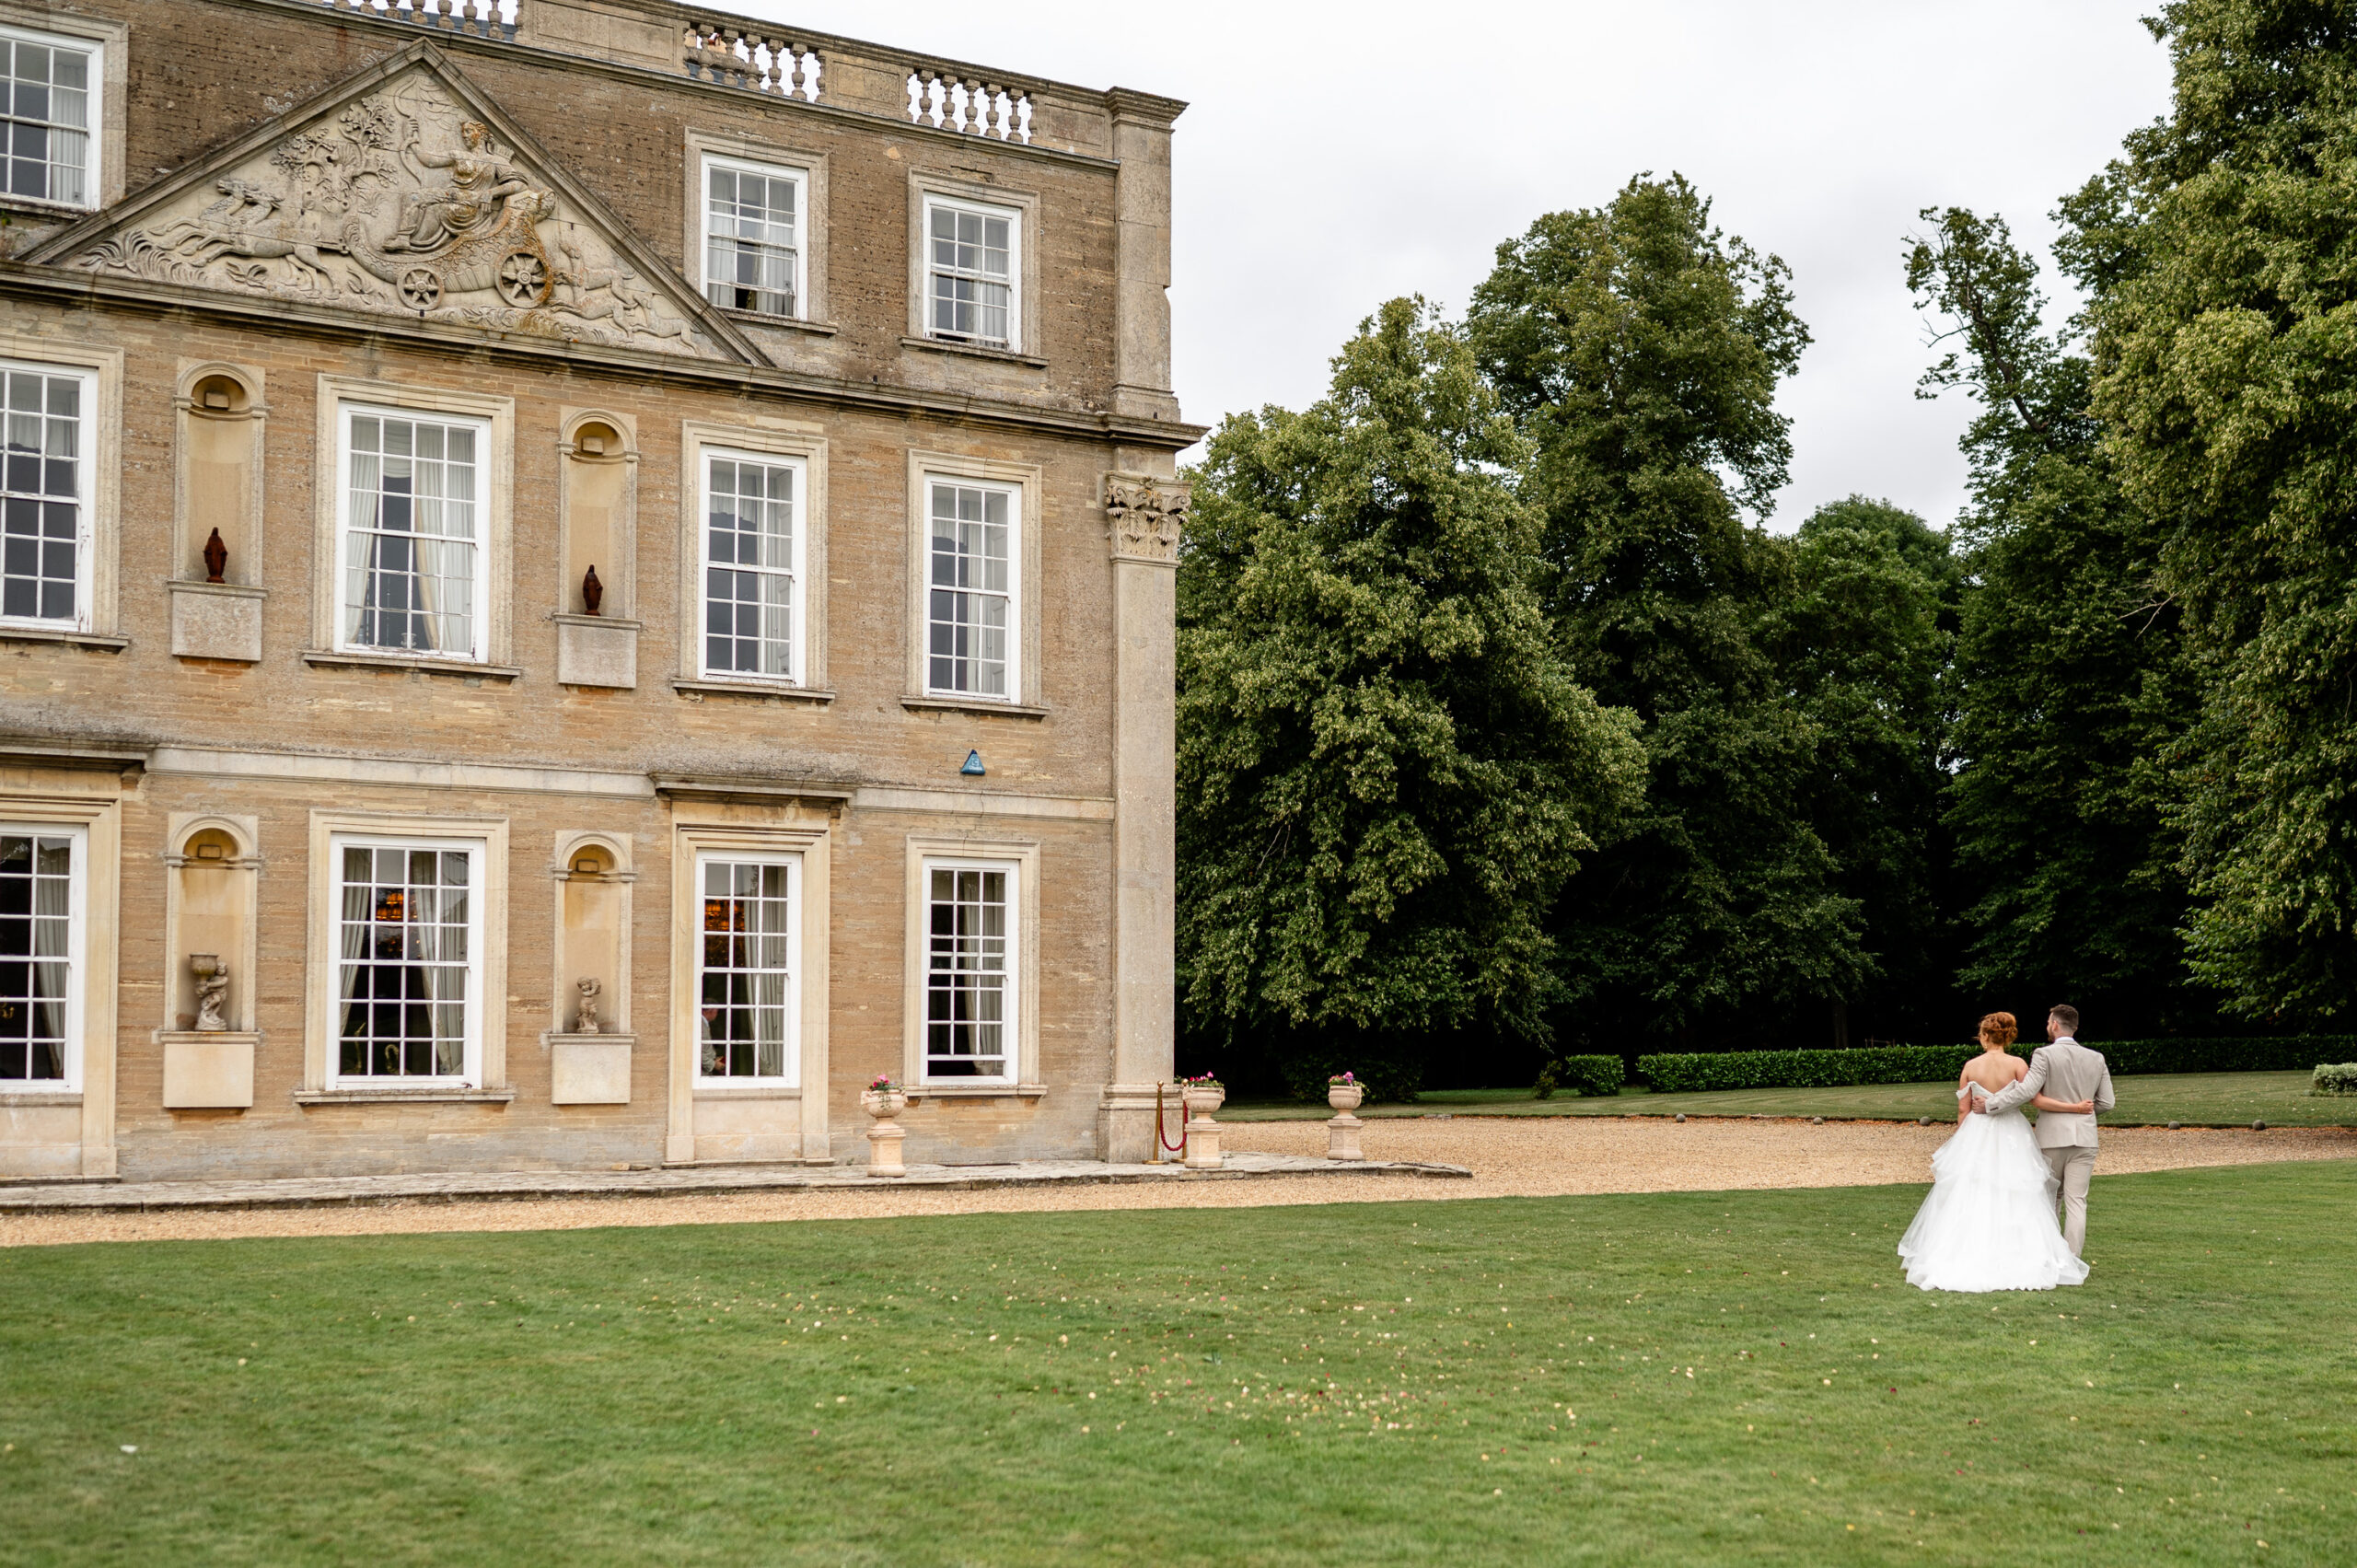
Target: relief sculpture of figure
478,178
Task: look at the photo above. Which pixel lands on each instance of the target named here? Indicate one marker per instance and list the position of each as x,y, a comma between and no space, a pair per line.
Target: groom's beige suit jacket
2065,1070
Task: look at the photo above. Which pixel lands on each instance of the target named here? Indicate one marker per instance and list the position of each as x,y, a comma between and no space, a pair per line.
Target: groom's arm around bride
2068,1072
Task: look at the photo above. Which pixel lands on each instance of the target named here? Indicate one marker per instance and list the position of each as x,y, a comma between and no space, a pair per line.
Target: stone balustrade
758,59
477,18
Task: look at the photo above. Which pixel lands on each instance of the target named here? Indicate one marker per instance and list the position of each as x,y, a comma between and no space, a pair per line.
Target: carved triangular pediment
405,193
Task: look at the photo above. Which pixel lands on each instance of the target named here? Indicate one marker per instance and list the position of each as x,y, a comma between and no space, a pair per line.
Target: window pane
37,906
44,122
750,260
968,1001
41,484
402,974
410,535
969,290
749,581
745,979
971,605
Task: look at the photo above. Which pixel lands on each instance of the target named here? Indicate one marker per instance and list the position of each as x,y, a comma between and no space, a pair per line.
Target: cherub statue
585,1022
212,989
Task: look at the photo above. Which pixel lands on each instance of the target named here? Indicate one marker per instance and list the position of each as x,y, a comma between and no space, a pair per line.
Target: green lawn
2226,1099
1684,1379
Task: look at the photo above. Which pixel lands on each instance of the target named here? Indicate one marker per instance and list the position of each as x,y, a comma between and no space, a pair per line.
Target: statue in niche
437,215
593,593
216,557
212,991
585,1021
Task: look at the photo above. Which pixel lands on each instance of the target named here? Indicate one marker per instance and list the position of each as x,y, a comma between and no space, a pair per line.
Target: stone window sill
40,1096
620,623
44,208
403,1097
707,1090
699,688
220,590
335,659
940,704
975,1091
63,635
975,351
779,323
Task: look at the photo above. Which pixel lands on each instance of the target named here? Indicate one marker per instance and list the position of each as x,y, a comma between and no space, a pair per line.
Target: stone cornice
70,289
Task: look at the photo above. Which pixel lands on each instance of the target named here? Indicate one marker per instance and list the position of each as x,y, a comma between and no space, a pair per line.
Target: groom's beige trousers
2072,1168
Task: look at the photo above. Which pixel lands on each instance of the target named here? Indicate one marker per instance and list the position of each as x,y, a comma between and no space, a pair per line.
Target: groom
2065,1071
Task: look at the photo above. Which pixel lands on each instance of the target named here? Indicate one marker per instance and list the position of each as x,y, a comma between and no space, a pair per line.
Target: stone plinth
209,1070
218,621
592,650
589,1069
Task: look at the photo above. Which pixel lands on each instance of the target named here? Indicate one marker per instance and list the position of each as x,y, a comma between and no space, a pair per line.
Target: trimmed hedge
1806,1069
1923,1063
1594,1076
2331,1079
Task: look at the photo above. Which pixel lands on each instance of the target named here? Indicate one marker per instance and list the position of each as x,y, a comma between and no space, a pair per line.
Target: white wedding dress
1989,1221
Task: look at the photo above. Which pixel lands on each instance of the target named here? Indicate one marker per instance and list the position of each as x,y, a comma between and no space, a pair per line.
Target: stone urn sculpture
884,1100
1343,1133
1202,1096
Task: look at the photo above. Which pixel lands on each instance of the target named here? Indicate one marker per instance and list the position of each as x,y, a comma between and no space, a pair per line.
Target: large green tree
2223,244
1861,645
1385,770
2071,684
1639,349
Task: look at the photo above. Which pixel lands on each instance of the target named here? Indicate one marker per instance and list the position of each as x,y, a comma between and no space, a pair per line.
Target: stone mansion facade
578,579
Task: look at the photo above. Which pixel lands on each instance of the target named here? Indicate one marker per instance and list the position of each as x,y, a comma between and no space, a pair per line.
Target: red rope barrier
1181,1146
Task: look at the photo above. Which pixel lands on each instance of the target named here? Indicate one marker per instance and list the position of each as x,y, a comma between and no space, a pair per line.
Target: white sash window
752,566
44,495
971,605
413,577
974,258
753,225
49,92
41,884
409,931
748,970
970,970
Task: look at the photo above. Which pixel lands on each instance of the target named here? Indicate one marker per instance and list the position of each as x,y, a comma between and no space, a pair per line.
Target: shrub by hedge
1925,1064
2339,1079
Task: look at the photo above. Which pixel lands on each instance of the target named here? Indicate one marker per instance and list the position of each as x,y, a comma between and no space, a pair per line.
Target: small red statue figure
216,557
592,592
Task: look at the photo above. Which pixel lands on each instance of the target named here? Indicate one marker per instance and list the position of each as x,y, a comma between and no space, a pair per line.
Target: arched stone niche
598,529
591,1065
213,878
217,491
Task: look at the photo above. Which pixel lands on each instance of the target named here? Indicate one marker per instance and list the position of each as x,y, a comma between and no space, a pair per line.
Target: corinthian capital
1148,514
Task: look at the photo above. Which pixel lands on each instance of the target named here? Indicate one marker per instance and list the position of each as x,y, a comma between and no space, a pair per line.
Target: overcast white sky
1335,155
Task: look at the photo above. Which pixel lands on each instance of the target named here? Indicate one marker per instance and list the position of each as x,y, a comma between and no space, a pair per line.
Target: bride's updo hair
1998,1028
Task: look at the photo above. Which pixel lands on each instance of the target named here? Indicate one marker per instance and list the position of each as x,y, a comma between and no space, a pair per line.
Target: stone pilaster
1142,123
1146,517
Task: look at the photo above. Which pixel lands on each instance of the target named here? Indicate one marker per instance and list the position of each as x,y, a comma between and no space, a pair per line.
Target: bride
1989,1222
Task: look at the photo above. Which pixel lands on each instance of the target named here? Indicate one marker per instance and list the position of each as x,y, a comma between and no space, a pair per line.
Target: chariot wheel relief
421,288
523,278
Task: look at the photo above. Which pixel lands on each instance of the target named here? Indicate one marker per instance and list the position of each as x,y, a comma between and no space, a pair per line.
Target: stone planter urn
1342,1131
1202,1132
884,1103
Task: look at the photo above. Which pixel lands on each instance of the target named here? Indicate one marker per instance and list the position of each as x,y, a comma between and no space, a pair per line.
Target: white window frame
1016,293
796,903
488,451
1016,543
1011,997
78,971
479,996
796,572
1020,859
96,187
86,476
800,180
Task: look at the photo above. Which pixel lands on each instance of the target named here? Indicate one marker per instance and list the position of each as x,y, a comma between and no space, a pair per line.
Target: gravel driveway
1511,1157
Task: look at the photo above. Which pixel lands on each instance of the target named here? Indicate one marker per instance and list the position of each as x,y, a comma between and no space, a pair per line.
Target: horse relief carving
402,203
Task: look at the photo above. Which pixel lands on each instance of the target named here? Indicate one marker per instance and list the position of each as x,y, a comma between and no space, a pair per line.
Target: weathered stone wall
198,74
